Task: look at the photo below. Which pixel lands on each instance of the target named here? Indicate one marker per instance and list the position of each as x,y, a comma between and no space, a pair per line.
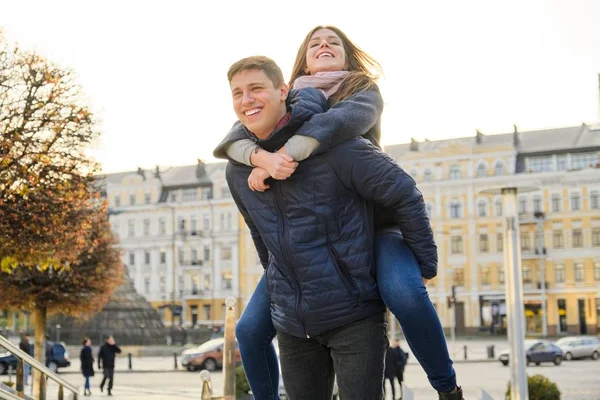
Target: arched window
455,210
482,208
499,168
455,172
498,207
481,171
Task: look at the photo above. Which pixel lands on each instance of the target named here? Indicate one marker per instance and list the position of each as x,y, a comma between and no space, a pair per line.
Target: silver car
579,347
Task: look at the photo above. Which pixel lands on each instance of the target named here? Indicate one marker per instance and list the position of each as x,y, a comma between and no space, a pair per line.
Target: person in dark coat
26,348
87,364
106,362
49,351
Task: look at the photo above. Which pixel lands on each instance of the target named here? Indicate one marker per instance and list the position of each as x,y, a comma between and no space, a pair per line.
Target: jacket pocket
344,274
272,269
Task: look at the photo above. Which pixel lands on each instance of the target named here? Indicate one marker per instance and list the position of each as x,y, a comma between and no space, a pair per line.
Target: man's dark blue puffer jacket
314,231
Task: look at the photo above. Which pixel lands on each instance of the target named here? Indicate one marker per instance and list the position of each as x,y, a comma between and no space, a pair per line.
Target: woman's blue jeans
87,383
402,289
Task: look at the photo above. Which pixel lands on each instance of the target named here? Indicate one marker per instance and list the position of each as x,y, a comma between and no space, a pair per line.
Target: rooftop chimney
516,139
478,137
200,170
414,145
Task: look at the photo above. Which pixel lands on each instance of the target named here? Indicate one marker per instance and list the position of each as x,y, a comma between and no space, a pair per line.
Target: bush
241,382
539,388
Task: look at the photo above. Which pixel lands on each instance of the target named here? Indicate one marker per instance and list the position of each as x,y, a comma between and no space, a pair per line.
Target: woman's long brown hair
363,69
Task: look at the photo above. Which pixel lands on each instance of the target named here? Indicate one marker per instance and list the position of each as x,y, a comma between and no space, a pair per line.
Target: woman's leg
255,333
87,383
402,289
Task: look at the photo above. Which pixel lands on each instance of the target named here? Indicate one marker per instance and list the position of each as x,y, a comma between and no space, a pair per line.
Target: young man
314,235
26,348
106,362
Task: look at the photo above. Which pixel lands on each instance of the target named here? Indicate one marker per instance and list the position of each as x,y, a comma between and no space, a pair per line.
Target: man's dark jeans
354,352
109,374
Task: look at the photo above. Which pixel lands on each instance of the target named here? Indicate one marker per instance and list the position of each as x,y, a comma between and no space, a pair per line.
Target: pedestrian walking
87,364
106,362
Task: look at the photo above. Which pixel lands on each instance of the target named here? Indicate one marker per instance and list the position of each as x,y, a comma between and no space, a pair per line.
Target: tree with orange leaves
57,252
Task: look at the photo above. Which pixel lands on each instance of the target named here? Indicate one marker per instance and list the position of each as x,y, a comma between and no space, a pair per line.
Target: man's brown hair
261,63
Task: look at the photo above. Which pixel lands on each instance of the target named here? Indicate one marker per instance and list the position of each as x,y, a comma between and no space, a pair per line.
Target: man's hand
280,166
425,280
256,180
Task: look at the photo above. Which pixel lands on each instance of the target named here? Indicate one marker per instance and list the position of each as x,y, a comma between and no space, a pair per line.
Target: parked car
537,351
60,359
208,355
579,347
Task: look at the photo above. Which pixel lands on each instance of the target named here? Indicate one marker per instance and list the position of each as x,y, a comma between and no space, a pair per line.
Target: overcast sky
155,71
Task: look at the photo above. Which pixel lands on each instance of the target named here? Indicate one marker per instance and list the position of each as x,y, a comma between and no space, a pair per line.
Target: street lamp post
540,225
58,333
514,290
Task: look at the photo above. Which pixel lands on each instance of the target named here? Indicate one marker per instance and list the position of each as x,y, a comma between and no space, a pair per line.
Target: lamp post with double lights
514,289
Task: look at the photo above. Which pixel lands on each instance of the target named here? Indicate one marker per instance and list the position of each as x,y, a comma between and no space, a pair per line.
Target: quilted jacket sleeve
376,177
261,248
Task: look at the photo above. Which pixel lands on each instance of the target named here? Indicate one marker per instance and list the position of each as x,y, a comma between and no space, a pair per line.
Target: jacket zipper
288,259
345,275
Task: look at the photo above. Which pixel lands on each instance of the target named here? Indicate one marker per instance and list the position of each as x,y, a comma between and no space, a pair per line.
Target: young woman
87,364
329,61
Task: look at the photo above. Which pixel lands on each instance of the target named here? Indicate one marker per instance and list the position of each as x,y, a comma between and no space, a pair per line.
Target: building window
162,284
579,272
575,202
498,207
206,223
499,168
173,197
559,273
596,237
455,210
146,227
500,242
163,256
131,228
147,198
456,245
537,204
483,243
561,163
459,277
207,282
207,312
577,238
180,255
193,223
181,224
194,255
132,199
455,172
162,226
585,160
147,284
541,164
427,175
485,276
206,253
522,205
206,194
481,171
131,258
556,203
229,225
146,257
225,253
225,192
597,271
117,201
500,274
557,240
116,227
526,274
482,208
594,200
226,280
525,242
190,194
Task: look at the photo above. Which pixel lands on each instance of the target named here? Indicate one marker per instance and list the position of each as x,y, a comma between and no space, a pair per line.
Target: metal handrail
35,364
4,395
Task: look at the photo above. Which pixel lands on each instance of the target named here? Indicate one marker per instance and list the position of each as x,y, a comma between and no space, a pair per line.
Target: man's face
258,104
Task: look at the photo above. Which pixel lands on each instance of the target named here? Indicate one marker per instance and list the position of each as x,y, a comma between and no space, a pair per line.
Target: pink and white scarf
327,82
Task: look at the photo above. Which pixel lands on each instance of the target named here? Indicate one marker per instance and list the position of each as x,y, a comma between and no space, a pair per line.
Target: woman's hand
425,280
280,166
256,180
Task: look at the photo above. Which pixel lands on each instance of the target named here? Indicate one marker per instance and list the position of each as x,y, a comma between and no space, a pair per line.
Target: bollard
175,358
465,350
206,385
129,361
490,351
61,393
42,386
229,351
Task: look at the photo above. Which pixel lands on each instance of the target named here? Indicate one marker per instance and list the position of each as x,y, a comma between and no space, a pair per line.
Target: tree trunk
40,315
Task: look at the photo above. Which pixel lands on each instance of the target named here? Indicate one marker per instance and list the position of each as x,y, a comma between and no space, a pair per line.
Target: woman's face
325,52
88,342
